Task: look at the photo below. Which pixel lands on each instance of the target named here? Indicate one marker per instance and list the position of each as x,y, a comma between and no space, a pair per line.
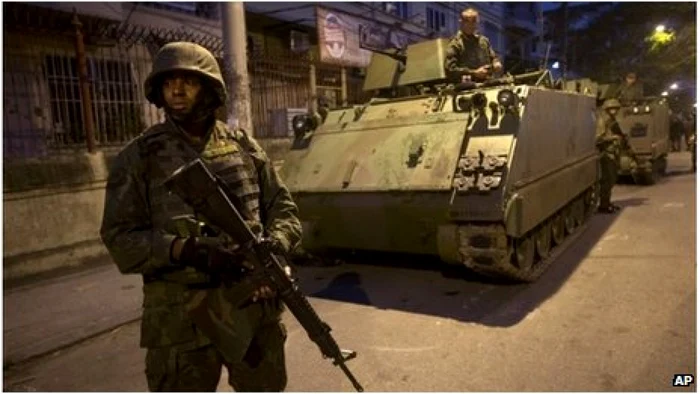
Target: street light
664,93
660,28
555,65
674,86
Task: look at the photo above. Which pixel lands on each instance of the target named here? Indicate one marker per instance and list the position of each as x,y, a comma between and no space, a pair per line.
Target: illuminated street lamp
664,93
674,86
660,28
555,65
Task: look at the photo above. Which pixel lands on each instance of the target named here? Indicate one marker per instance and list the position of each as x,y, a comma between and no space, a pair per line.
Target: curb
9,364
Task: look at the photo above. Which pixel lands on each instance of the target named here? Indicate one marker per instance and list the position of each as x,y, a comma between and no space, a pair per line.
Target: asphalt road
615,312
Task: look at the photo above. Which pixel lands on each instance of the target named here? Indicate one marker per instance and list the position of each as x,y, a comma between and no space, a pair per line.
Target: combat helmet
611,103
184,56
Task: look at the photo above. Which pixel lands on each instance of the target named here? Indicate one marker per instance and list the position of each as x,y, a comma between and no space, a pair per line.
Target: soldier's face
181,91
469,22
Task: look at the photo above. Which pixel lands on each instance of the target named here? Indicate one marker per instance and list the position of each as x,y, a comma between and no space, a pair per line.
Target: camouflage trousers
193,367
608,178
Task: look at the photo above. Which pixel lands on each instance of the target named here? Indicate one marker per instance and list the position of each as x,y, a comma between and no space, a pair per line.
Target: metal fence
43,108
281,88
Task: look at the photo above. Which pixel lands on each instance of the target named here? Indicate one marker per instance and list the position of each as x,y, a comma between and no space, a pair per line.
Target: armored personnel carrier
494,176
646,124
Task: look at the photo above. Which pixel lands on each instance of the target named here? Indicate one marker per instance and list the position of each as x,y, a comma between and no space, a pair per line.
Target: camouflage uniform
608,144
138,232
630,92
466,53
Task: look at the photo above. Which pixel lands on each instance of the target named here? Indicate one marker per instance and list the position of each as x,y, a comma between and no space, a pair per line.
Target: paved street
615,312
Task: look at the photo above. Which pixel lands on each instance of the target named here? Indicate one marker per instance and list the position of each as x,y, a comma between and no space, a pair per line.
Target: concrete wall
53,209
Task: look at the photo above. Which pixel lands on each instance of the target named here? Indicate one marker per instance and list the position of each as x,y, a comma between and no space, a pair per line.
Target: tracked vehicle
494,176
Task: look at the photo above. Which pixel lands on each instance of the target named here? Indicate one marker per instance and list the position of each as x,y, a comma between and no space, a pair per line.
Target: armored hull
493,178
647,126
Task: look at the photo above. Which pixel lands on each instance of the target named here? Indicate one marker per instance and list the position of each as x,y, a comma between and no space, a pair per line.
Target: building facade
44,110
524,26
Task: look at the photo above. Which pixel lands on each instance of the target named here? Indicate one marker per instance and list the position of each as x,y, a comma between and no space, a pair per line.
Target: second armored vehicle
646,123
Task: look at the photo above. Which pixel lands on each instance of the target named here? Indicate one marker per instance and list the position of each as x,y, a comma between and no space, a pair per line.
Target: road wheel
557,225
543,240
524,253
579,211
590,200
569,222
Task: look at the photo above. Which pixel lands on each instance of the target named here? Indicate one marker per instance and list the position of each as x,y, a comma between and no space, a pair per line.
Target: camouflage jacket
467,53
136,226
628,93
607,141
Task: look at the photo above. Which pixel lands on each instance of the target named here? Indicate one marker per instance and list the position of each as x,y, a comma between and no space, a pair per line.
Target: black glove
210,255
274,245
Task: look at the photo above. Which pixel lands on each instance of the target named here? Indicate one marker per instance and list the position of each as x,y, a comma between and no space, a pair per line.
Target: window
435,19
117,111
299,41
205,10
64,90
398,8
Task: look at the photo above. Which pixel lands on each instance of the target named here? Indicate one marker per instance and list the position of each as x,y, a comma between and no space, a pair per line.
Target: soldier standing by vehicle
676,132
184,274
469,54
608,143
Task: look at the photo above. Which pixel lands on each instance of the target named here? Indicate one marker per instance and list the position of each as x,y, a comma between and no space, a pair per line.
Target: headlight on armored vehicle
507,98
301,124
464,104
479,100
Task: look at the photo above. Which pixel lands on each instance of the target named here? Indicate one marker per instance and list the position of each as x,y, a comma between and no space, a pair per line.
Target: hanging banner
341,38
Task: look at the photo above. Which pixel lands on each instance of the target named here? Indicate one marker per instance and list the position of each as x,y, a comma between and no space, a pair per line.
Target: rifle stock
199,188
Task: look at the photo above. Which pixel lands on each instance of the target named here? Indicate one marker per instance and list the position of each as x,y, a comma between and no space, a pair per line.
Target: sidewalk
49,314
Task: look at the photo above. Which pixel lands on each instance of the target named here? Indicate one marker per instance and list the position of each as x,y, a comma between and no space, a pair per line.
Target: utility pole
236,65
85,98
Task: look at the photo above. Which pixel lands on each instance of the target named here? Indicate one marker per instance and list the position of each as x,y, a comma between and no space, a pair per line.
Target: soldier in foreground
469,54
608,135
185,271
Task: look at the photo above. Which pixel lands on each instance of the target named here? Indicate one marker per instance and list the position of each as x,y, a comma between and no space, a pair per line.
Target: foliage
621,37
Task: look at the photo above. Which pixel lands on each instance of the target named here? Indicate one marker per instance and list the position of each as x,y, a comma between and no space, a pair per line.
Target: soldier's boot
608,208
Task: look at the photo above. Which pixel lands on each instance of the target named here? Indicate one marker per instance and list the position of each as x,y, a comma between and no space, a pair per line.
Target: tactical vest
169,294
229,155
474,51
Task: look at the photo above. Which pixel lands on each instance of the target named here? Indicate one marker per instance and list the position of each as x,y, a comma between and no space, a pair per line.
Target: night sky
548,5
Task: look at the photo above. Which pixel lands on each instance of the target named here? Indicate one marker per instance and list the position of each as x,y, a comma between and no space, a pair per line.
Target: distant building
524,35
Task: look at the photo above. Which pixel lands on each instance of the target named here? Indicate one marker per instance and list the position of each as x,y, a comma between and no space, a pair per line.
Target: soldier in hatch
185,274
631,89
469,54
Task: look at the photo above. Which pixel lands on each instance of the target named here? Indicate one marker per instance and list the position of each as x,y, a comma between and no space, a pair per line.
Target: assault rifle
624,140
205,192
